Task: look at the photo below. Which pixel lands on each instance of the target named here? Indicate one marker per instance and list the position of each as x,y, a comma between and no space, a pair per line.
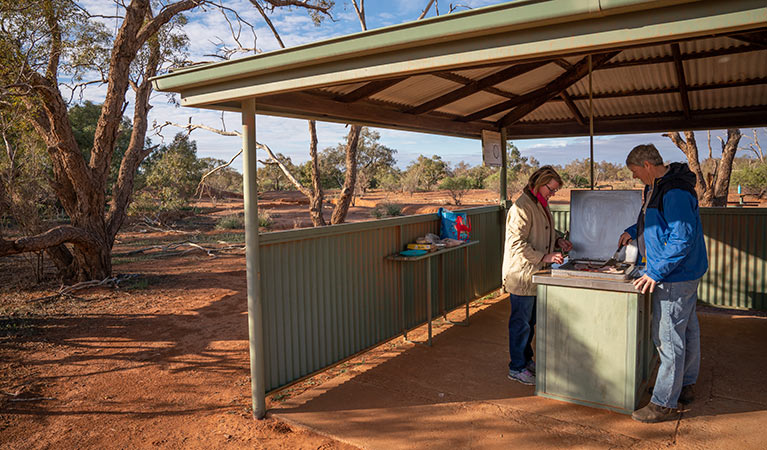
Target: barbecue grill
597,219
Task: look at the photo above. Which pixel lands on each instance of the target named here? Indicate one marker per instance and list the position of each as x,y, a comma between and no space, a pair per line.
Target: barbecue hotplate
597,219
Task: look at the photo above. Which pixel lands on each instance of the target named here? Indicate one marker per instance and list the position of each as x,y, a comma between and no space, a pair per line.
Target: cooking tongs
614,260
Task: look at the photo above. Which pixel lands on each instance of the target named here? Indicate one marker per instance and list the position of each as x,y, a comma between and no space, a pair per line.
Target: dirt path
163,364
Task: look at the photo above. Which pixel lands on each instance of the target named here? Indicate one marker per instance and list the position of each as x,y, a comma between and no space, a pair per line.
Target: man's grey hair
645,152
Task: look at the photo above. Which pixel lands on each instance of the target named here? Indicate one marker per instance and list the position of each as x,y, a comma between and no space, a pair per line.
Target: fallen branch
109,281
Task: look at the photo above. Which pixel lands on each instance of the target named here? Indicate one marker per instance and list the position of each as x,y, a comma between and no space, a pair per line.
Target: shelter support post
504,164
255,313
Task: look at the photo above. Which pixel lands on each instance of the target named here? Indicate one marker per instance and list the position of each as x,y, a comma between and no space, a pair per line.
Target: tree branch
425,10
55,236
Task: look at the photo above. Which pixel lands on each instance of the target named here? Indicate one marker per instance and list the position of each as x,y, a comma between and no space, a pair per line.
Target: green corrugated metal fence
329,292
736,241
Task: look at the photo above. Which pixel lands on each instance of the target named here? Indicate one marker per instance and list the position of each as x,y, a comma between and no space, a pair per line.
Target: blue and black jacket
672,229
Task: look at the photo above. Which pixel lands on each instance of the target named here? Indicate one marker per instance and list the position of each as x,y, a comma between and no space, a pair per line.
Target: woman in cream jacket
529,246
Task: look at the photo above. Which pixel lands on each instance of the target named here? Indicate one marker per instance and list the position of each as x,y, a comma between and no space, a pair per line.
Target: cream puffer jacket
530,235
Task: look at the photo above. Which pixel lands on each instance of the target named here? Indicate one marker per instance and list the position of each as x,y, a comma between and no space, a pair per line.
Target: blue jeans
521,330
676,334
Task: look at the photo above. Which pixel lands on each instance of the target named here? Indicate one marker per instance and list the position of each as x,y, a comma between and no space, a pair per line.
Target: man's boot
653,413
688,394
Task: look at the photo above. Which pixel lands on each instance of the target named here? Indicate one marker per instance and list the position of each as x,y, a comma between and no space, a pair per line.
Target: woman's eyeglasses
553,191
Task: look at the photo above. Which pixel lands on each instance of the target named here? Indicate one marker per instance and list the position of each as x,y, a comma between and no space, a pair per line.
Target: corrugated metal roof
500,72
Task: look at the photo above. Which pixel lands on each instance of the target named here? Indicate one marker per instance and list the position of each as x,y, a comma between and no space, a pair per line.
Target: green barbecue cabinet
593,333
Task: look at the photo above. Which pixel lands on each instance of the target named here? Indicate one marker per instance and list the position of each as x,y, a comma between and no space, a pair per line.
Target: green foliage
391,180
753,178
424,173
265,220
271,177
457,186
221,181
25,194
83,119
374,161
231,222
237,221
386,210
577,173
172,175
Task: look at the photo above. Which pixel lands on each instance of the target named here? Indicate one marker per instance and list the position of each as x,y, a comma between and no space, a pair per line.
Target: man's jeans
521,330
676,334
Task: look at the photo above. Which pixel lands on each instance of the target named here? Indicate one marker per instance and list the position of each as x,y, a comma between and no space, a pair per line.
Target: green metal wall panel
736,241
329,292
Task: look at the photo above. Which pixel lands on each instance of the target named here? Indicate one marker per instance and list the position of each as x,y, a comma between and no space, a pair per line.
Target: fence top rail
276,237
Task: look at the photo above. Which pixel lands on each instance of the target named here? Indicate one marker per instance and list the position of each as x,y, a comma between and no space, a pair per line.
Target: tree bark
711,191
81,185
350,178
317,196
724,169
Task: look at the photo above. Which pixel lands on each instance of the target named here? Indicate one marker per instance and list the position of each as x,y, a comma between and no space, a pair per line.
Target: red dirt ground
161,361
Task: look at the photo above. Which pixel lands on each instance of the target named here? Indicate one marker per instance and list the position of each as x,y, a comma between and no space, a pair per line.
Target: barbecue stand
593,341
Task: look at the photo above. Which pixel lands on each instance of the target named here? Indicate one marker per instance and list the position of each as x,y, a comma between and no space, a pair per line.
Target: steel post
255,312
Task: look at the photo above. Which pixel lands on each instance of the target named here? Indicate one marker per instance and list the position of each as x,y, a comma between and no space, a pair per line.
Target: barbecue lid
598,218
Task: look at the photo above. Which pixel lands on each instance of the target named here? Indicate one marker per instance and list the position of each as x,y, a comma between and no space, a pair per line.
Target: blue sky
291,136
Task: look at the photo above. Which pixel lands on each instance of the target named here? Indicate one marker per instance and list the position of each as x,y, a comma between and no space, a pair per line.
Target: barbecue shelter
526,69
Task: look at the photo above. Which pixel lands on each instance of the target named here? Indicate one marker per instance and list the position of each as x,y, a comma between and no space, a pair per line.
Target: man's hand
624,239
644,282
555,258
564,244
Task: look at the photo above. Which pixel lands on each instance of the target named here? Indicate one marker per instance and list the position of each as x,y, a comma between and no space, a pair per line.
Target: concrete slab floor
456,395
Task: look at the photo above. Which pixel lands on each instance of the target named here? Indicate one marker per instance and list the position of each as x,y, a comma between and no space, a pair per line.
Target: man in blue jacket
670,236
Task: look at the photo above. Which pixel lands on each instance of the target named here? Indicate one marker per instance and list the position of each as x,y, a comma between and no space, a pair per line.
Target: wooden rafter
299,104
369,89
467,81
685,57
644,123
563,64
681,80
758,38
573,108
671,90
552,89
476,86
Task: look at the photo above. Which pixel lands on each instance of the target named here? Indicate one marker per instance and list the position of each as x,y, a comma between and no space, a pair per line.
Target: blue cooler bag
453,225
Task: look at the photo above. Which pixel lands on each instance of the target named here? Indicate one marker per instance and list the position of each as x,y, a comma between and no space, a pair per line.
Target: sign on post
491,148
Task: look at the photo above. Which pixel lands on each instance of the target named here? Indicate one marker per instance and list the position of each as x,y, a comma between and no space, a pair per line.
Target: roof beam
681,81
466,81
561,62
644,123
476,86
554,88
369,89
758,38
573,108
702,87
299,104
685,57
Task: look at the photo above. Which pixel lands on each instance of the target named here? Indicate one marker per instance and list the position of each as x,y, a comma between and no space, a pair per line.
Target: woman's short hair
543,176
644,152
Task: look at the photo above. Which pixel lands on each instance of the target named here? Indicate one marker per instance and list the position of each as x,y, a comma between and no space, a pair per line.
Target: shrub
753,178
231,222
265,220
386,210
457,186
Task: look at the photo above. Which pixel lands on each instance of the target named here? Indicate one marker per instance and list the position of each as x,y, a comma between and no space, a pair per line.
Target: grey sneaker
523,376
531,366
